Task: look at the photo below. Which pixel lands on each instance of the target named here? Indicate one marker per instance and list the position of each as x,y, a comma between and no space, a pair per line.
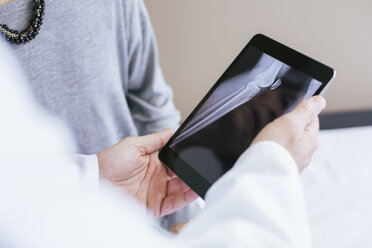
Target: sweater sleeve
149,97
259,203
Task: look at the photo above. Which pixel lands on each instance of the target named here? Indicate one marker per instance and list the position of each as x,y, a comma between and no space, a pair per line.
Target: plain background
198,39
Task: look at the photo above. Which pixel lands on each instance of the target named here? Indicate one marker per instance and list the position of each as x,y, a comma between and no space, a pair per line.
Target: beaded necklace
16,37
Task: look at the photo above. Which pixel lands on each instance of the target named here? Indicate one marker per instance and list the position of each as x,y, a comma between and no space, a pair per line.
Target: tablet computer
265,81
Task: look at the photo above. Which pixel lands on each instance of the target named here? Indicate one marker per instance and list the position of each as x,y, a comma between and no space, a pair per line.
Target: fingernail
320,101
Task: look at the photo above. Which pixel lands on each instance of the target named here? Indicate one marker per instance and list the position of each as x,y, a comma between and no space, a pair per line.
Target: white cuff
262,158
89,171
273,157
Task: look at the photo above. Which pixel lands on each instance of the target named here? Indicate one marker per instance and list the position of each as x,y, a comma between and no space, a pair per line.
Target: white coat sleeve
88,169
258,203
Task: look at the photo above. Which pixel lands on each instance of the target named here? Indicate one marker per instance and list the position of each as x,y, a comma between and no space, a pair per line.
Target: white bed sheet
338,189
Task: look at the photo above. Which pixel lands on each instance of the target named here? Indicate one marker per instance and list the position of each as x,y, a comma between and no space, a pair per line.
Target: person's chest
79,53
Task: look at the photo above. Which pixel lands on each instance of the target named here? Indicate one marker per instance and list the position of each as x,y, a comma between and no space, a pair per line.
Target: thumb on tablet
153,142
307,110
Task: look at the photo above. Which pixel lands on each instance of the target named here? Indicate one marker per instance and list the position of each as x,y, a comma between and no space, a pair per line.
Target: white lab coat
47,200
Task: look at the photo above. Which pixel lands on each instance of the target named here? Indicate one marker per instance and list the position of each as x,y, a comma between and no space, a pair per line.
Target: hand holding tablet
265,81
302,128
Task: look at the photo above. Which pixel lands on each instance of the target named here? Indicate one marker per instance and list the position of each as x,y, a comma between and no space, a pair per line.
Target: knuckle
308,108
290,123
306,105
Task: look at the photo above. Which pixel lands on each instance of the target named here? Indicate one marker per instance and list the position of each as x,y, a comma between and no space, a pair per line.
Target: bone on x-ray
238,90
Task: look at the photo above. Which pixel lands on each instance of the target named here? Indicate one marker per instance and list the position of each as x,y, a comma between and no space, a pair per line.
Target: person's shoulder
131,7
130,4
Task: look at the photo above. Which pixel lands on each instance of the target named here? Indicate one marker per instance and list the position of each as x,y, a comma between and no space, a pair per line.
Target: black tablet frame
287,55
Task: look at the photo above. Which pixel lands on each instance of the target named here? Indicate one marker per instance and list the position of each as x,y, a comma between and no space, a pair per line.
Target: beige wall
198,39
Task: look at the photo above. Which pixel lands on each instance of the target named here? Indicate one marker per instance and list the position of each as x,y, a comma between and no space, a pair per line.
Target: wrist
102,166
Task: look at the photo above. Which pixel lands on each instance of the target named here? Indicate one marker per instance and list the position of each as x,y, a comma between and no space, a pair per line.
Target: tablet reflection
214,149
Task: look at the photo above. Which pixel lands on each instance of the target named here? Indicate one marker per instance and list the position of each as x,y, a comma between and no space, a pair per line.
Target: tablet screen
253,92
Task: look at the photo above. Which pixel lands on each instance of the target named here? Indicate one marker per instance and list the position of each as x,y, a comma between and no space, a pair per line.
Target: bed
338,183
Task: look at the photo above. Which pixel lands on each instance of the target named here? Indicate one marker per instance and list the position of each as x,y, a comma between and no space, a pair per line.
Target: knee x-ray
255,91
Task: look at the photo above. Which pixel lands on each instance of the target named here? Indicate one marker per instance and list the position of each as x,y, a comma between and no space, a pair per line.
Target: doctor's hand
297,131
133,165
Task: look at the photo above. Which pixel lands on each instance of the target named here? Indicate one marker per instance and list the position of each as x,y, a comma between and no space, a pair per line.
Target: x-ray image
256,90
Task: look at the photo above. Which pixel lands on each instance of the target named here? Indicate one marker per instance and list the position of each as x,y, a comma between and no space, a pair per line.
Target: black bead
15,37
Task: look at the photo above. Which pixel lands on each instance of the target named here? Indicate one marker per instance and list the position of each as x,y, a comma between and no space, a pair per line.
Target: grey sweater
94,64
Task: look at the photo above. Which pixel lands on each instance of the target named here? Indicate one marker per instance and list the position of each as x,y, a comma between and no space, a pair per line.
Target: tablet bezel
287,55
